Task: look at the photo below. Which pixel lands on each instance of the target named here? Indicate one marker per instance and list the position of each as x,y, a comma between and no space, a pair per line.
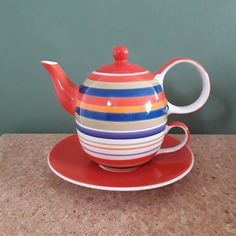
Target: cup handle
160,76
171,125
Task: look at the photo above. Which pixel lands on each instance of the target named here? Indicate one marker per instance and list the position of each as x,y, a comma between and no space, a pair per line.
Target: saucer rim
139,188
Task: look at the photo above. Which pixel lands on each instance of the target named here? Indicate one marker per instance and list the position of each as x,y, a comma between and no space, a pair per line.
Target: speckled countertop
33,201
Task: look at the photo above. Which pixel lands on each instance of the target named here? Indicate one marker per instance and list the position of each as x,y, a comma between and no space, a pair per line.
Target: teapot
121,110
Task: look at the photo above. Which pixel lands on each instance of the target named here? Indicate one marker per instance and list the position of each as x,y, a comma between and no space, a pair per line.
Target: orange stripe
122,109
123,149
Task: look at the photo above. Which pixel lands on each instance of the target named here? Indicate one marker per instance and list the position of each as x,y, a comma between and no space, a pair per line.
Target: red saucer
69,161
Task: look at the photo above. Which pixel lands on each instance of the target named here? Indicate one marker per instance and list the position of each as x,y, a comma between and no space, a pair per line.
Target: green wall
81,34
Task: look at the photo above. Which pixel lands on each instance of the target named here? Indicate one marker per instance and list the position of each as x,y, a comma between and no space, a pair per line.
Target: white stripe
119,152
122,141
121,158
118,132
114,74
106,145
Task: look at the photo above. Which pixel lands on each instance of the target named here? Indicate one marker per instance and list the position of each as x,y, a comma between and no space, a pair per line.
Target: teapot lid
120,67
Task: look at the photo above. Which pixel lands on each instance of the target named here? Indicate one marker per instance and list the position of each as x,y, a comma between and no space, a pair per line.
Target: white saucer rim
139,188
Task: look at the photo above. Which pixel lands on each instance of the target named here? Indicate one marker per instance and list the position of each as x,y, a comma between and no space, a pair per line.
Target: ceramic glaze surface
121,109
69,162
121,113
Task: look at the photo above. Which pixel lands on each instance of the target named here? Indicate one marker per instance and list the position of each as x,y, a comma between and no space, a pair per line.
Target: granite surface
33,201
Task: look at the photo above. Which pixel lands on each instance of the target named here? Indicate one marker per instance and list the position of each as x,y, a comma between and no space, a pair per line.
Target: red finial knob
120,53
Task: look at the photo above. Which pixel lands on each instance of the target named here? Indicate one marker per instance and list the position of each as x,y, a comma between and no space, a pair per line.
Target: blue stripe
121,135
120,93
135,154
122,116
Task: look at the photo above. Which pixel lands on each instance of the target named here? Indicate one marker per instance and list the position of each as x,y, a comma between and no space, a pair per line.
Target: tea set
121,112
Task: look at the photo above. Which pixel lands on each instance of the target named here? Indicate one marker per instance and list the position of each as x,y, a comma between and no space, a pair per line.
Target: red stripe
135,101
122,163
132,78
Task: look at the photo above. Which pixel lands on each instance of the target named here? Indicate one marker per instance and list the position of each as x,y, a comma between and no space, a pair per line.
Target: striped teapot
121,110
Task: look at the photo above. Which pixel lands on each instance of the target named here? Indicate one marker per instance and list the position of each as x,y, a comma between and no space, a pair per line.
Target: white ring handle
160,76
184,127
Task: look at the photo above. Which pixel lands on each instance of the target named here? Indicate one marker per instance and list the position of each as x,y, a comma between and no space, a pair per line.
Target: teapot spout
66,90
